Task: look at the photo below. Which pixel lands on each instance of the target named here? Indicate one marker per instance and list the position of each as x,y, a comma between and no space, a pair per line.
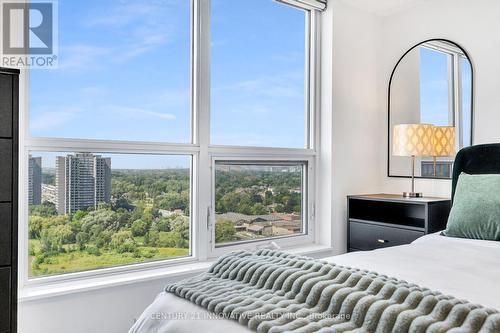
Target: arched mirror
431,84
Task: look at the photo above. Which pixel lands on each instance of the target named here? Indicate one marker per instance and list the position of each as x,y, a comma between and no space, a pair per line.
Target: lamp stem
435,171
413,174
412,194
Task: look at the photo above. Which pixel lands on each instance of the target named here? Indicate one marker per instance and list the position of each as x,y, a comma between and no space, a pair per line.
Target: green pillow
476,208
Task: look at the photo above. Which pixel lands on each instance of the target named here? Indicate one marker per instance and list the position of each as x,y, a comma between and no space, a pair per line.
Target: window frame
203,155
308,203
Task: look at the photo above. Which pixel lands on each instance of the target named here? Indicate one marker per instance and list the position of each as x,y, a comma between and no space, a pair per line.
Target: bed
465,268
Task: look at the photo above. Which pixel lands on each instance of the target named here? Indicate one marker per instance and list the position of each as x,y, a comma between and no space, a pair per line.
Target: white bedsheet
466,269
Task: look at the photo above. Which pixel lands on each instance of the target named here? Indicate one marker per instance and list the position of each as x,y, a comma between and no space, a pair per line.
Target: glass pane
466,76
124,73
258,66
256,201
89,211
434,85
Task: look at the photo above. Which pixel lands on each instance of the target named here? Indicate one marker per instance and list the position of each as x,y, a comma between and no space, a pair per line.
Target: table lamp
443,143
412,140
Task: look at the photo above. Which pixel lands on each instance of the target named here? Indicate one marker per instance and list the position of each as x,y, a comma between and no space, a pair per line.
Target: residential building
35,180
83,180
49,193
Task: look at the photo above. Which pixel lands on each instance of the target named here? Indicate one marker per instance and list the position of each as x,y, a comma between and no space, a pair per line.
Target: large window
137,152
89,210
258,74
124,73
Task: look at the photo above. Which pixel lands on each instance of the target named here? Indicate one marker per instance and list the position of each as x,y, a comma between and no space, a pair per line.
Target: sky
124,74
434,90
434,87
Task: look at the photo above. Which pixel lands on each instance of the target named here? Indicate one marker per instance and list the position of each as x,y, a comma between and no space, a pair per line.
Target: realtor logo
28,34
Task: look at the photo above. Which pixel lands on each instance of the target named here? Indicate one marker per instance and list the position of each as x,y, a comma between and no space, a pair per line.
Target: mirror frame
389,103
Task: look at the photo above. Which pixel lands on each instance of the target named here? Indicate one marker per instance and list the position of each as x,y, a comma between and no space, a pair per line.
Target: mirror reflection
431,85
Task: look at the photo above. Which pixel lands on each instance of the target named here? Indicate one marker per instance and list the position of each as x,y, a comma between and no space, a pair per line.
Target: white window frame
308,203
202,152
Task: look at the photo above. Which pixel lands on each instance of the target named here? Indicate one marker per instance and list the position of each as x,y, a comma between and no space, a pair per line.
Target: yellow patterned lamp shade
413,140
443,141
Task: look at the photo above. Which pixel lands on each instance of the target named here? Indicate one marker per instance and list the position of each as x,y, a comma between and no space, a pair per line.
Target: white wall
472,24
357,161
405,105
106,310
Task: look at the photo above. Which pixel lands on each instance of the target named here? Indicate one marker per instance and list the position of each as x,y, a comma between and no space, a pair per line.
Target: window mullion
201,111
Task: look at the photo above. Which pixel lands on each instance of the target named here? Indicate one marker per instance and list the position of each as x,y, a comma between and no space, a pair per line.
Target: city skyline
125,161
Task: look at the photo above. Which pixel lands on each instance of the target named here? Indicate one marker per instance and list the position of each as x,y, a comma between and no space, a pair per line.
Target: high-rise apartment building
83,180
35,181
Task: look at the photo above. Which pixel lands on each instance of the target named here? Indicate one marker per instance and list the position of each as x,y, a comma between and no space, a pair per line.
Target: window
258,74
89,210
132,156
256,200
124,73
435,107
446,89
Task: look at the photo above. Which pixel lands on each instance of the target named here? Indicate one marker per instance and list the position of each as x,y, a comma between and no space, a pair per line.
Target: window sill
33,293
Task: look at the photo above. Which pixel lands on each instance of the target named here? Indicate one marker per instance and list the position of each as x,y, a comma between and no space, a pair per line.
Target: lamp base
413,194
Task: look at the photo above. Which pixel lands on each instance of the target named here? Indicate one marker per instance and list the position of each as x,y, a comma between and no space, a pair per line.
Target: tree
279,208
224,231
82,238
139,228
259,209
173,200
45,210
172,239
35,226
107,218
122,241
180,225
53,238
79,214
163,224
103,239
152,237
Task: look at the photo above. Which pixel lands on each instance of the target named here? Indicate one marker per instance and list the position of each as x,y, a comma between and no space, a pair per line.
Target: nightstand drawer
364,236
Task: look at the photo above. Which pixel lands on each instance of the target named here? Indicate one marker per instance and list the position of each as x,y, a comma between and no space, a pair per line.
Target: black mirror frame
389,103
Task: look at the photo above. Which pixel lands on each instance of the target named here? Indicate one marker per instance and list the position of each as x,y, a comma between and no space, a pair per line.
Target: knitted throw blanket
270,291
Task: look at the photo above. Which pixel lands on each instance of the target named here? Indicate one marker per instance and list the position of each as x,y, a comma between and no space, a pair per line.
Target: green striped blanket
271,291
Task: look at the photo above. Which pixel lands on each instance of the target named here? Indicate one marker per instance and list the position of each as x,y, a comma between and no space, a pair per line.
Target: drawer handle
383,241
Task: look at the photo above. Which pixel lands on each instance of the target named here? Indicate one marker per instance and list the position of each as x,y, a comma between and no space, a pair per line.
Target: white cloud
82,56
286,85
138,112
47,120
136,28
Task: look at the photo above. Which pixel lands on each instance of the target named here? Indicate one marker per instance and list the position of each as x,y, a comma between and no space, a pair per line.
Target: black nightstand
383,220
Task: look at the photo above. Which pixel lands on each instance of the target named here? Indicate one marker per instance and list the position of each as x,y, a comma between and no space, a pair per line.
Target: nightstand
383,220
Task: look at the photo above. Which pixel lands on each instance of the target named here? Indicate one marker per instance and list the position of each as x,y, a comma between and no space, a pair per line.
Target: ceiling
382,7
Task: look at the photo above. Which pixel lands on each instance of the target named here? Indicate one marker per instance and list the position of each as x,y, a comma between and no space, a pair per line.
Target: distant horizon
125,161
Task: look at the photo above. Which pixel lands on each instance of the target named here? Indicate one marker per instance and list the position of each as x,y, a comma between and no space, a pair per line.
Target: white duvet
467,269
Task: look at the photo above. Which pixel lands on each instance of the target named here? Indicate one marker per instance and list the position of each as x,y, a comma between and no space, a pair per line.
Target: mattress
467,269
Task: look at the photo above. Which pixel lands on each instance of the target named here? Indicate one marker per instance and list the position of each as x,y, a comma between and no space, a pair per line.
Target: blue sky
124,73
434,87
434,90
